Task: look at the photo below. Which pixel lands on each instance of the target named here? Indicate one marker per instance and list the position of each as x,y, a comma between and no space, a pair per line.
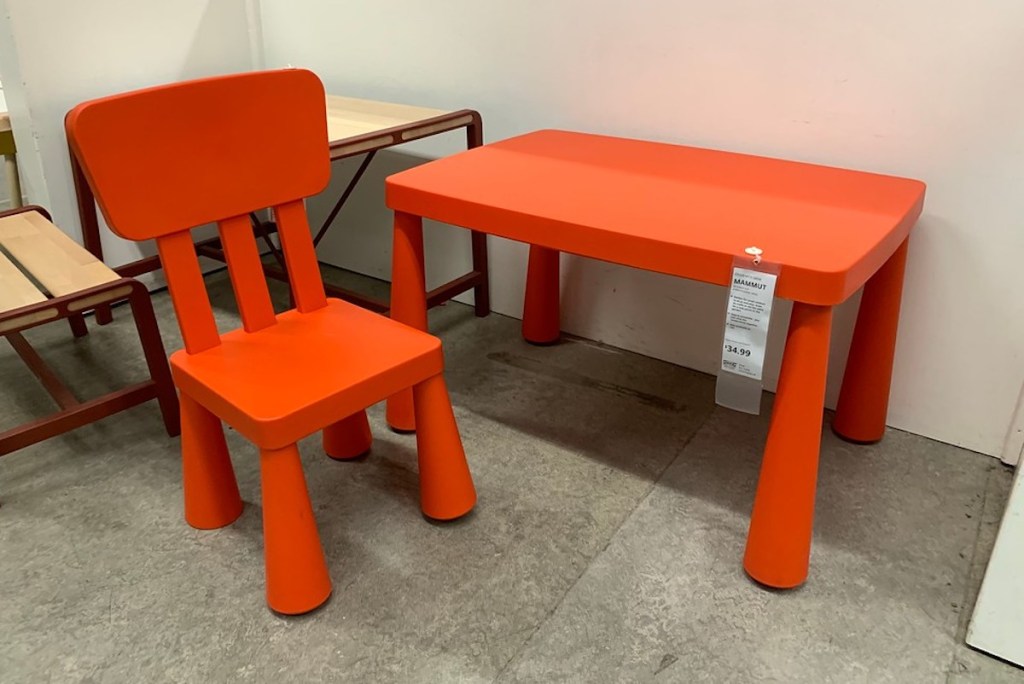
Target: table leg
13,180
90,226
482,290
864,397
408,303
779,541
104,314
78,325
541,314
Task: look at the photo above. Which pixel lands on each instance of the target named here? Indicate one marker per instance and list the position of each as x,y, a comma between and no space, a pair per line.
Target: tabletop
350,116
681,210
356,126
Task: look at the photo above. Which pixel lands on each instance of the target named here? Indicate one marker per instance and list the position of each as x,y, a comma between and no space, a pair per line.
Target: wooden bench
46,276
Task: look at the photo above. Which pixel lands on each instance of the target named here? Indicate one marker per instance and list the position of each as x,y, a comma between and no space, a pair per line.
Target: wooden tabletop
348,116
680,210
355,125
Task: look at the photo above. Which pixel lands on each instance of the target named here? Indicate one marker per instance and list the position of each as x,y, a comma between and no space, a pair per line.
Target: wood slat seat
56,261
16,290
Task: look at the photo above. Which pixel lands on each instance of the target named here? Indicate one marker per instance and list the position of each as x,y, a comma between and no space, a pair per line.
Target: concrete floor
606,545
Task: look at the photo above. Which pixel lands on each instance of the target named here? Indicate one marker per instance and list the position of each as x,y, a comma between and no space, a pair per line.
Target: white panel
997,626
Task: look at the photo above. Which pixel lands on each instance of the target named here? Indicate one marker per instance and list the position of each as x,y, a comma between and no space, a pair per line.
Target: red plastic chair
164,160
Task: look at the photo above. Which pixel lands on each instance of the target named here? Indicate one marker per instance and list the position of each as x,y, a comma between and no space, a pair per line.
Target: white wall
58,53
928,89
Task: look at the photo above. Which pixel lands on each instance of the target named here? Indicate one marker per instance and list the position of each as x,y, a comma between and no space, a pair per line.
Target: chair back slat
246,273
300,256
188,292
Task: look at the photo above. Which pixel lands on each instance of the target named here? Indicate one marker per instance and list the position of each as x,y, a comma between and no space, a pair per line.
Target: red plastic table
689,212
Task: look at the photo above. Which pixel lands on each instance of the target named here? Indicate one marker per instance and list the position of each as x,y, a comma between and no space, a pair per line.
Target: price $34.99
737,350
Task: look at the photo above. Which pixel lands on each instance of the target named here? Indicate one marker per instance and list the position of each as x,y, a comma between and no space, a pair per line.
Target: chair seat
282,383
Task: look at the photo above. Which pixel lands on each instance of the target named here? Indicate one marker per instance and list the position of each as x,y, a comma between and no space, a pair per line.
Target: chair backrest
164,160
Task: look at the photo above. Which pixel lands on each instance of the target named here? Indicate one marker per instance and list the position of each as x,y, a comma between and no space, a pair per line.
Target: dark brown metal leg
78,326
344,197
482,289
57,389
261,228
104,314
90,234
75,417
86,209
156,357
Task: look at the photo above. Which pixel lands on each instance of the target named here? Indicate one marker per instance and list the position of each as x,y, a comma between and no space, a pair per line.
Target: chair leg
779,541
348,438
446,486
541,311
208,478
297,577
864,397
78,326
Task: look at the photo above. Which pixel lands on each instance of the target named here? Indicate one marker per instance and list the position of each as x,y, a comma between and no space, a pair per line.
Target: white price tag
746,322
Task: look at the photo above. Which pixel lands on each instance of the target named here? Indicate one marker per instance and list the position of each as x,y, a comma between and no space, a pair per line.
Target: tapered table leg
779,541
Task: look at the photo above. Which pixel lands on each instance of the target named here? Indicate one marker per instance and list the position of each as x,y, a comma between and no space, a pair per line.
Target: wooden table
354,127
689,212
